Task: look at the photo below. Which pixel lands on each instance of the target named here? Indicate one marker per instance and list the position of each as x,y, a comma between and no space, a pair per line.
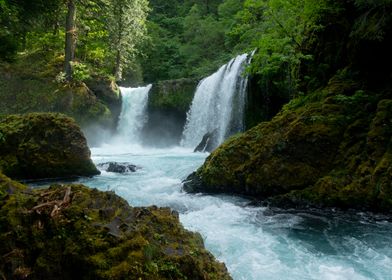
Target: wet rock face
207,144
118,167
334,150
82,233
43,145
168,103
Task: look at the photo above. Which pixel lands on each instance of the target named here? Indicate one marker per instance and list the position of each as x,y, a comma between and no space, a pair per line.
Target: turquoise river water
254,242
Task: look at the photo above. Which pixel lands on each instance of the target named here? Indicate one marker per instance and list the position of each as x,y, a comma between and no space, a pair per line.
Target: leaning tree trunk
70,38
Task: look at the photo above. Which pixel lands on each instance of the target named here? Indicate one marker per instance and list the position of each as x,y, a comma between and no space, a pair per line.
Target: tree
70,38
127,28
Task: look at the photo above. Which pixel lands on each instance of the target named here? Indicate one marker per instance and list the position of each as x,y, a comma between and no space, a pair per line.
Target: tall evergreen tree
70,38
127,27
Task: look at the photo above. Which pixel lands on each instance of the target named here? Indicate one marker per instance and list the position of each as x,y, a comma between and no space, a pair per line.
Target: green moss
330,148
96,235
39,145
172,95
29,85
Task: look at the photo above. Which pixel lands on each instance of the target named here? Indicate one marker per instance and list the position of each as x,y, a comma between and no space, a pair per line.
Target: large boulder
73,232
43,145
331,148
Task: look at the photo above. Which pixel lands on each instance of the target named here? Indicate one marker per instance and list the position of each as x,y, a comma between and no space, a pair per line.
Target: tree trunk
70,39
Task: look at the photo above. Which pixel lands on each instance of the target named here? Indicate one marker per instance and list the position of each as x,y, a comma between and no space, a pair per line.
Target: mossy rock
43,145
168,104
29,85
331,148
173,95
74,232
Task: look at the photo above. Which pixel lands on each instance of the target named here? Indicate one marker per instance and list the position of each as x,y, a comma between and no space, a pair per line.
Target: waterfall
218,104
133,113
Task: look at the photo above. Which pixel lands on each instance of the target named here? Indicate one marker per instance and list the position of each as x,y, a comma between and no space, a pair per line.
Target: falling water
133,113
218,105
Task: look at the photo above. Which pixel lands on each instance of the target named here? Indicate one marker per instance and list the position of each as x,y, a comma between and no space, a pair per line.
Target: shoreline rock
83,233
334,151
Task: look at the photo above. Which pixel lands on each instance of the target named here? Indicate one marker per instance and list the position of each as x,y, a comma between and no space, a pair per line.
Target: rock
168,104
207,143
109,94
61,231
327,152
29,85
330,147
43,145
118,167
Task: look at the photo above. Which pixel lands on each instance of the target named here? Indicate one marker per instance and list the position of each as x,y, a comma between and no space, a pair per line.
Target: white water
218,104
133,113
254,243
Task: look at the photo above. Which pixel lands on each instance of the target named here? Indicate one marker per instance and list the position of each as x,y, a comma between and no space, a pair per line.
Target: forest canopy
146,41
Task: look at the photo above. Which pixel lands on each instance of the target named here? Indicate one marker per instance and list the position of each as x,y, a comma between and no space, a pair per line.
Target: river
254,242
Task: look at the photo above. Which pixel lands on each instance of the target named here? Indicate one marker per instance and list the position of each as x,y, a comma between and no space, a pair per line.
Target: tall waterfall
133,113
218,104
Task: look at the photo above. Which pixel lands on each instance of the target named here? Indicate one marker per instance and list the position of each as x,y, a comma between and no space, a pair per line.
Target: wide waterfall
133,113
218,105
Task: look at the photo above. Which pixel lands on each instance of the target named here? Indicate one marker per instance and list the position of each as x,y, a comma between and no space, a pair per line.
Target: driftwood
56,204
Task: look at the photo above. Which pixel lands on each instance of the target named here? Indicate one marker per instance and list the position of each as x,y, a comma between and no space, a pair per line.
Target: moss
29,85
96,235
331,148
172,95
39,145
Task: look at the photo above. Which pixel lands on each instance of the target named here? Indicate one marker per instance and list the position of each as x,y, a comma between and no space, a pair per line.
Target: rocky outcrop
109,94
264,100
43,145
118,167
29,85
168,103
80,233
331,148
207,142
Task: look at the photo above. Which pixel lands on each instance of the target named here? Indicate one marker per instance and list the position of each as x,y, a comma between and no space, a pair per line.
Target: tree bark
70,38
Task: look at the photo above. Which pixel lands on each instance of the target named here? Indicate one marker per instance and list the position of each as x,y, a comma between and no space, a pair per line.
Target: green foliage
80,71
126,30
188,39
374,19
30,26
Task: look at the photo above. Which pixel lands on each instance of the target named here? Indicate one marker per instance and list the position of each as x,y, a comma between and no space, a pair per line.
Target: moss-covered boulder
73,232
332,145
43,145
330,148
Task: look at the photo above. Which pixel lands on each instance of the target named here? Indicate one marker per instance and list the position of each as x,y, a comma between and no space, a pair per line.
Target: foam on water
254,242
